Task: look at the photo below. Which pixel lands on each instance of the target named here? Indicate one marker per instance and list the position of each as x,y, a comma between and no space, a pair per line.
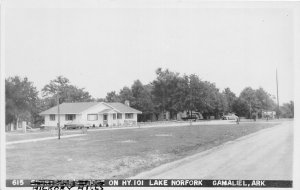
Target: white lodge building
90,113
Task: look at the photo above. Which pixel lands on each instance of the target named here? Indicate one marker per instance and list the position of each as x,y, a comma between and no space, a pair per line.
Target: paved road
267,154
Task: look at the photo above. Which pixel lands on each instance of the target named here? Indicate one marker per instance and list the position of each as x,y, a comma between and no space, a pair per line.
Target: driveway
265,155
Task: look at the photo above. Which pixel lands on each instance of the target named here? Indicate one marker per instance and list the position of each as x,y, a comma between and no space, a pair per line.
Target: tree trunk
17,123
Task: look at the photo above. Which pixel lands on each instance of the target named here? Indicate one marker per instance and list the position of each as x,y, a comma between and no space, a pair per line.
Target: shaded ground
117,153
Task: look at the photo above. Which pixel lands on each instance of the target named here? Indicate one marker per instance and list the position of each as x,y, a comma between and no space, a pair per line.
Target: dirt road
267,154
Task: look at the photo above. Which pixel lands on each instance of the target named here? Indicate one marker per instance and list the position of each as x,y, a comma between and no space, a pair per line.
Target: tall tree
56,86
112,97
142,99
174,93
287,110
264,100
240,107
230,98
215,101
21,99
164,87
248,96
67,93
200,95
126,94
182,99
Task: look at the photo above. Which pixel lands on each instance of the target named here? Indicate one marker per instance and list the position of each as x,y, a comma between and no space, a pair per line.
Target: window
70,117
128,115
92,117
119,116
114,116
104,117
52,117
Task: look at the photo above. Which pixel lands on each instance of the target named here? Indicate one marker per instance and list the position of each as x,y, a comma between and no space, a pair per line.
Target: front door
105,123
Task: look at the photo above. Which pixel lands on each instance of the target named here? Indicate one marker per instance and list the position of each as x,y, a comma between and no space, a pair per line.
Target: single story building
268,114
18,126
90,114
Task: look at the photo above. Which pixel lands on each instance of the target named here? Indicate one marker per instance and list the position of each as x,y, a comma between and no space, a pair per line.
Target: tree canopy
21,99
287,110
254,101
168,92
67,92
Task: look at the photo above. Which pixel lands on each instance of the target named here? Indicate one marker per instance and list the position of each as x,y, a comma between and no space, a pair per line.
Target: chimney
127,103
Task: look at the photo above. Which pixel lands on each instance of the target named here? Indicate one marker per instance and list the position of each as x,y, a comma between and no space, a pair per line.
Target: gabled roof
79,107
122,108
106,111
70,108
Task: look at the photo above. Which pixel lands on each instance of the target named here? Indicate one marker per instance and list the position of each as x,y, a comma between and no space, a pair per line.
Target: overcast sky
104,49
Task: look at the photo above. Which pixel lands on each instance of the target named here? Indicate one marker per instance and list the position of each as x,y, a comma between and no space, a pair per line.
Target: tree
67,93
174,93
126,94
230,98
201,95
287,110
195,99
265,101
21,99
142,99
164,86
248,96
221,105
56,86
215,102
101,100
182,99
112,97
138,91
240,107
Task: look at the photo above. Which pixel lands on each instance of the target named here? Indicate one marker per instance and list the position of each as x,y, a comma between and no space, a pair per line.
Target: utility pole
267,112
277,95
250,110
58,117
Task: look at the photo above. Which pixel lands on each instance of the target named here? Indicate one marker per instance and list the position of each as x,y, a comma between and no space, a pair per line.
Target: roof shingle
122,107
70,108
78,107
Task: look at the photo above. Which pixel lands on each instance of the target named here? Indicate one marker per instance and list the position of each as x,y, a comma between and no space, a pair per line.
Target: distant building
90,113
18,126
269,114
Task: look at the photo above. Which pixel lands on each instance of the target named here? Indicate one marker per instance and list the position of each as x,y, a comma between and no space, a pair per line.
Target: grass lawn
117,153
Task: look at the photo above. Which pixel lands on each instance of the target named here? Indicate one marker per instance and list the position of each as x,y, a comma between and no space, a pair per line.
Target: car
230,117
28,127
32,129
190,117
74,125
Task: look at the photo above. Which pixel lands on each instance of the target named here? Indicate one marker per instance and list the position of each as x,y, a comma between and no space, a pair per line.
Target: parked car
193,117
32,129
28,127
74,125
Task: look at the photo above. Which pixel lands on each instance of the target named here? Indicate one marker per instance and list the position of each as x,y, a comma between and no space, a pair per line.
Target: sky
106,48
